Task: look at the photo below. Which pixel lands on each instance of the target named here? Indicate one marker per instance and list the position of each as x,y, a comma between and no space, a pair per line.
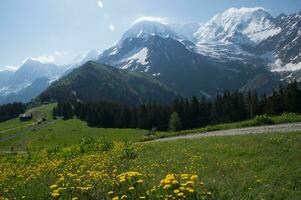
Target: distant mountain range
34,76
231,51
243,49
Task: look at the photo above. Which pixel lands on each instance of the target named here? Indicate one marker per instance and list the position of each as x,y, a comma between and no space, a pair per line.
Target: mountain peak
30,61
160,20
244,10
147,28
254,23
40,60
84,57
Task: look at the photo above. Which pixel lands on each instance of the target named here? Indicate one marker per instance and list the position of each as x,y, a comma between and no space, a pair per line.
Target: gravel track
279,128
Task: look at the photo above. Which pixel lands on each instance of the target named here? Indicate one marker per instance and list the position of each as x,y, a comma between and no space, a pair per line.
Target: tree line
11,110
231,106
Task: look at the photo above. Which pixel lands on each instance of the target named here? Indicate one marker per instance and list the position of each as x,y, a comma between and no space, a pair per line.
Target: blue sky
59,30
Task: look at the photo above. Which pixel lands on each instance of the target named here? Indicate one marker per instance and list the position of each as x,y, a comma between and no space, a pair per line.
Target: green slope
94,82
33,136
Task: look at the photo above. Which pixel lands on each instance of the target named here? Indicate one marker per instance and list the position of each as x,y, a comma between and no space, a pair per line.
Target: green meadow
60,159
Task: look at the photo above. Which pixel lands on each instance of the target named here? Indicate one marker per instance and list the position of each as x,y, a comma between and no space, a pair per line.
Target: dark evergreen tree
229,107
11,110
175,122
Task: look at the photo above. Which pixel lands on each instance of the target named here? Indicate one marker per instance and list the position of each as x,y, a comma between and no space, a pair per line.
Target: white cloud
161,20
112,27
100,4
49,58
9,68
42,59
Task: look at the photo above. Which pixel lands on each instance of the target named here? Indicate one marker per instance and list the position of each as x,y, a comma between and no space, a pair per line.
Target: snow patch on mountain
138,56
156,74
223,51
278,66
141,56
114,51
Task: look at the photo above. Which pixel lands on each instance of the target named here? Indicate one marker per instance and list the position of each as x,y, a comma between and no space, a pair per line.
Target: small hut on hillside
25,117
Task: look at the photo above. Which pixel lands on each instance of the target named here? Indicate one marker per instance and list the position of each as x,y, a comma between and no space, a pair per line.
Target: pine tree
175,122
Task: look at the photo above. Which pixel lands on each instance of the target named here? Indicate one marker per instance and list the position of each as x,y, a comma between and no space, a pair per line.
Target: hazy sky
59,30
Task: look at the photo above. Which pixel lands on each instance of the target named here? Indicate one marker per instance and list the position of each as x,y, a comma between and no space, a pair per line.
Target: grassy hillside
236,167
96,82
30,135
66,133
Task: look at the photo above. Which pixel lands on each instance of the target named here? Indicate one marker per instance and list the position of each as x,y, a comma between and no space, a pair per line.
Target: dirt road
280,128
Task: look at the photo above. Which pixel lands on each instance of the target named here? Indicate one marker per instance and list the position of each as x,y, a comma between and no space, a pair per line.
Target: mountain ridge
95,82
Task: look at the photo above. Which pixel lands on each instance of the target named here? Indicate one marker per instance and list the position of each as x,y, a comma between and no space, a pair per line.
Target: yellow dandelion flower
176,191
55,194
209,193
190,190
184,176
190,182
131,188
194,178
166,187
181,194
53,186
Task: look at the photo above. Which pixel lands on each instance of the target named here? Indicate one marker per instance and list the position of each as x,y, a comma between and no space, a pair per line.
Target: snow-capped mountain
252,34
29,73
143,40
34,76
31,70
179,64
243,25
26,94
145,29
283,50
91,55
